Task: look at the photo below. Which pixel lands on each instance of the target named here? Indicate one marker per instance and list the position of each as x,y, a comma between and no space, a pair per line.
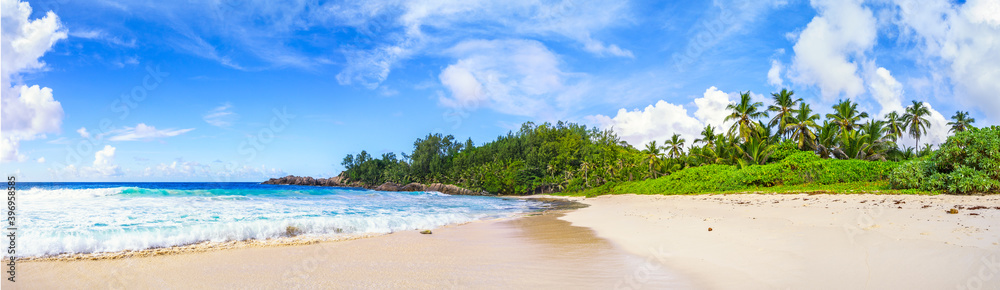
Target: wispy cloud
222,116
144,132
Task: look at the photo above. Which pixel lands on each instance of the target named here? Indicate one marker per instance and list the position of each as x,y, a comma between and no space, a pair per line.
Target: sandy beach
622,242
809,241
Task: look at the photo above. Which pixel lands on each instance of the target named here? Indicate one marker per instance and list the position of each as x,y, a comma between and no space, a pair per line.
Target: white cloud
661,120
410,28
829,49
222,116
774,74
83,132
178,168
885,89
712,108
962,41
518,77
144,132
104,166
27,112
40,160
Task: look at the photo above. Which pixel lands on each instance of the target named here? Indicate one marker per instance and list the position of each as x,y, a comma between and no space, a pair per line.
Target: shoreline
552,205
531,251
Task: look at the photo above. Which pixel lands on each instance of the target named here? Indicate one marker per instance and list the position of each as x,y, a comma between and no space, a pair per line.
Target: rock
388,186
953,211
413,186
451,189
426,232
343,181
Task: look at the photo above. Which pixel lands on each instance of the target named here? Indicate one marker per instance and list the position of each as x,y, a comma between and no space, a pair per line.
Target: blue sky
238,90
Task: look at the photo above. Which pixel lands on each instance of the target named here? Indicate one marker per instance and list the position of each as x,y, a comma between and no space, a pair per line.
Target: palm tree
826,139
961,123
802,125
879,140
915,120
846,115
675,146
744,112
783,108
707,136
894,125
757,150
653,154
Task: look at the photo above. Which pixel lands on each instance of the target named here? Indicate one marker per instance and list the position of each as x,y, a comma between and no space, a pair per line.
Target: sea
79,218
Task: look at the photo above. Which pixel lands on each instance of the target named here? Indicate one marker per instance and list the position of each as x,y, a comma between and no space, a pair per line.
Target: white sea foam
56,221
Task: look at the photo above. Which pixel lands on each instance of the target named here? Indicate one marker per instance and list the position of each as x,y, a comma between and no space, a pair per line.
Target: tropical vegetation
784,145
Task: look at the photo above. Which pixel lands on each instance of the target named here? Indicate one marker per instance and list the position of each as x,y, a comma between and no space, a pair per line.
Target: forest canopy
781,144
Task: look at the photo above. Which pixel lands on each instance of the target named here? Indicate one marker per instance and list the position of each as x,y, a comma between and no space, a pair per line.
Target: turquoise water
57,218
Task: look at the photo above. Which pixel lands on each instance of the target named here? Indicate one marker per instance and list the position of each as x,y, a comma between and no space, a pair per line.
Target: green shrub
911,174
969,162
968,180
783,150
978,149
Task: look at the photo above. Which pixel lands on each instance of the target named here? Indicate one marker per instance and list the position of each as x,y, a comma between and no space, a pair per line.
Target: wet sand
530,252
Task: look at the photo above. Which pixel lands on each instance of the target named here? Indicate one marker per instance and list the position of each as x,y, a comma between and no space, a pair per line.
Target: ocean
74,218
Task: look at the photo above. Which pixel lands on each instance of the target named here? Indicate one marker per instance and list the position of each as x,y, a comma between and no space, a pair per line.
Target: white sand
808,241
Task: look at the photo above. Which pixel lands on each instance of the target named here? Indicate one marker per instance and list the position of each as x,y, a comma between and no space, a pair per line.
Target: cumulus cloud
663,119
104,162
144,132
518,77
829,49
222,116
886,90
774,74
40,160
104,166
28,112
962,41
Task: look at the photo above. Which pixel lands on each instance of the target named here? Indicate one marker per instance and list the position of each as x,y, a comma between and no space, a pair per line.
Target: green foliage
784,149
911,174
976,148
969,162
792,150
797,169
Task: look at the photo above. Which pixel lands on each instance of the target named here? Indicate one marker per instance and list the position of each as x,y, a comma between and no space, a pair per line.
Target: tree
675,146
652,153
707,136
846,115
802,126
744,113
961,122
915,121
783,108
894,124
826,139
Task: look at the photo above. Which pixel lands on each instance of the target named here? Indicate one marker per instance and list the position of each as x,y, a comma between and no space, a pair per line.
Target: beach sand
809,241
531,252
622,241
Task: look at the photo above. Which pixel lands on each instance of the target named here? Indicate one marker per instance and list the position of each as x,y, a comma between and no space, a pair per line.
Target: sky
244,90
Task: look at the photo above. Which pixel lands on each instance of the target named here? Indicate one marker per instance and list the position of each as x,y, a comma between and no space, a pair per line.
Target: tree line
569,157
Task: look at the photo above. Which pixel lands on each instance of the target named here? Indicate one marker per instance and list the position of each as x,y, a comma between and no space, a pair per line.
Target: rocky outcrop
341,181
451,189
